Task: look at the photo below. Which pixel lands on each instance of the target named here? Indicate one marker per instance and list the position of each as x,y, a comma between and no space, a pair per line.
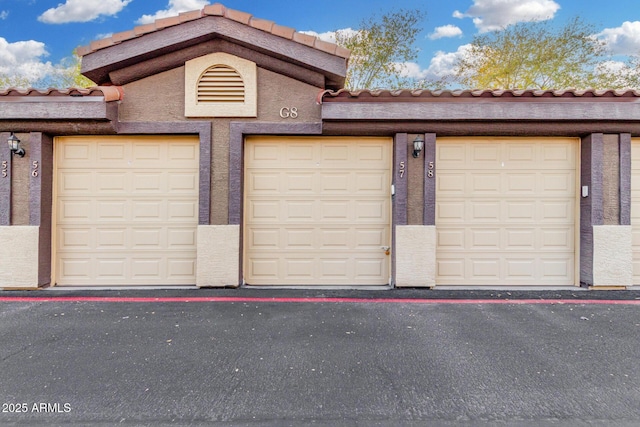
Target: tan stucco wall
19,255
415,256
160,98
218,255
612,256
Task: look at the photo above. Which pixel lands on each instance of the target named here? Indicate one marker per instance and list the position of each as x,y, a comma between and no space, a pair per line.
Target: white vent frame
196,68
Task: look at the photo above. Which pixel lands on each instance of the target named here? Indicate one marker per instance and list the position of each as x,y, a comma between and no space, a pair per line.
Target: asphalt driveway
280,358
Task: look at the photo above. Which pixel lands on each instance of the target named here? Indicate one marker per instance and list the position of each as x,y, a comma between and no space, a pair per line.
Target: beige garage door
506,211
126,210
635,207
317,211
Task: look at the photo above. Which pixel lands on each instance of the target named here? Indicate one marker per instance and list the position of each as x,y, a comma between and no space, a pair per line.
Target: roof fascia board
59,109
546,110
177,59
97,65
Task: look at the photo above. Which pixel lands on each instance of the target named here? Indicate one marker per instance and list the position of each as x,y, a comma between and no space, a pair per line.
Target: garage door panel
372,239
519,184
558,183
71,211
558,156
111,210
635,208
519,210
484,238
76,183
484,210
148,151
300,210
451,183
133,221
371,183
111,154
335,211
181,269
149,182
110,238
558,211
513,220
484,156
451,238
520,238
371,211
298,238
518,269
182,155
77,153
108,183
332,152
300,182
335,183
75,238
111,268
323,218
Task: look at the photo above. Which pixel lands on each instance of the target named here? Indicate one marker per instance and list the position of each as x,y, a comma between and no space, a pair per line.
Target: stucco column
416,244
605,231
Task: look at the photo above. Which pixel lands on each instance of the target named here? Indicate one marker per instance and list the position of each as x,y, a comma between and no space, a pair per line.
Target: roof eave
99,64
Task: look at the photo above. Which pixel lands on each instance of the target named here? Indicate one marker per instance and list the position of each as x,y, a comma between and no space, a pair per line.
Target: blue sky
35,35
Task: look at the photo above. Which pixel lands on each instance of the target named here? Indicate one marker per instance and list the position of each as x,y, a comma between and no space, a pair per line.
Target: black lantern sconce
14,145
418,145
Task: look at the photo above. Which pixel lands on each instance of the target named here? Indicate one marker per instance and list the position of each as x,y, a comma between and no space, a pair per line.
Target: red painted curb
320,300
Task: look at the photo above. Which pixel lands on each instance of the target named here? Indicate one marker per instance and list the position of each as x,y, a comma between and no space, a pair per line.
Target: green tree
535,55
9,81
64,75
67,74
380,48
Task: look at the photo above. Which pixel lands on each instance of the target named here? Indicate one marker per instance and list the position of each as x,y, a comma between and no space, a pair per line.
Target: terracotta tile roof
218,10
109,93
422,94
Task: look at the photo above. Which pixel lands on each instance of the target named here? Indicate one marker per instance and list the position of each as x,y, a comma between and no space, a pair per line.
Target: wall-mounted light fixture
14,145
418,145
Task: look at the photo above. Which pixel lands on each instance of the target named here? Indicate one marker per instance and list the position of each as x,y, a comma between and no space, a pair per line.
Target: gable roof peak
218,9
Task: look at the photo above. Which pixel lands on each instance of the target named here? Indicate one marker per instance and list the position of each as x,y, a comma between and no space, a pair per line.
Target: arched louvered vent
220,84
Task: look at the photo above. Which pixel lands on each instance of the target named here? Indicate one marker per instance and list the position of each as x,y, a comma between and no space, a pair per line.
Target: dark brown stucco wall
625,179
20,173
41,200
611,180
5,181
591,212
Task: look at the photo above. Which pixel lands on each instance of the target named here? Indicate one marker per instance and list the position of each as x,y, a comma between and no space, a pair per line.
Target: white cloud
4,15
491,15
23,59
82,11
445,31
623,40
443,63
330,36
173,8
